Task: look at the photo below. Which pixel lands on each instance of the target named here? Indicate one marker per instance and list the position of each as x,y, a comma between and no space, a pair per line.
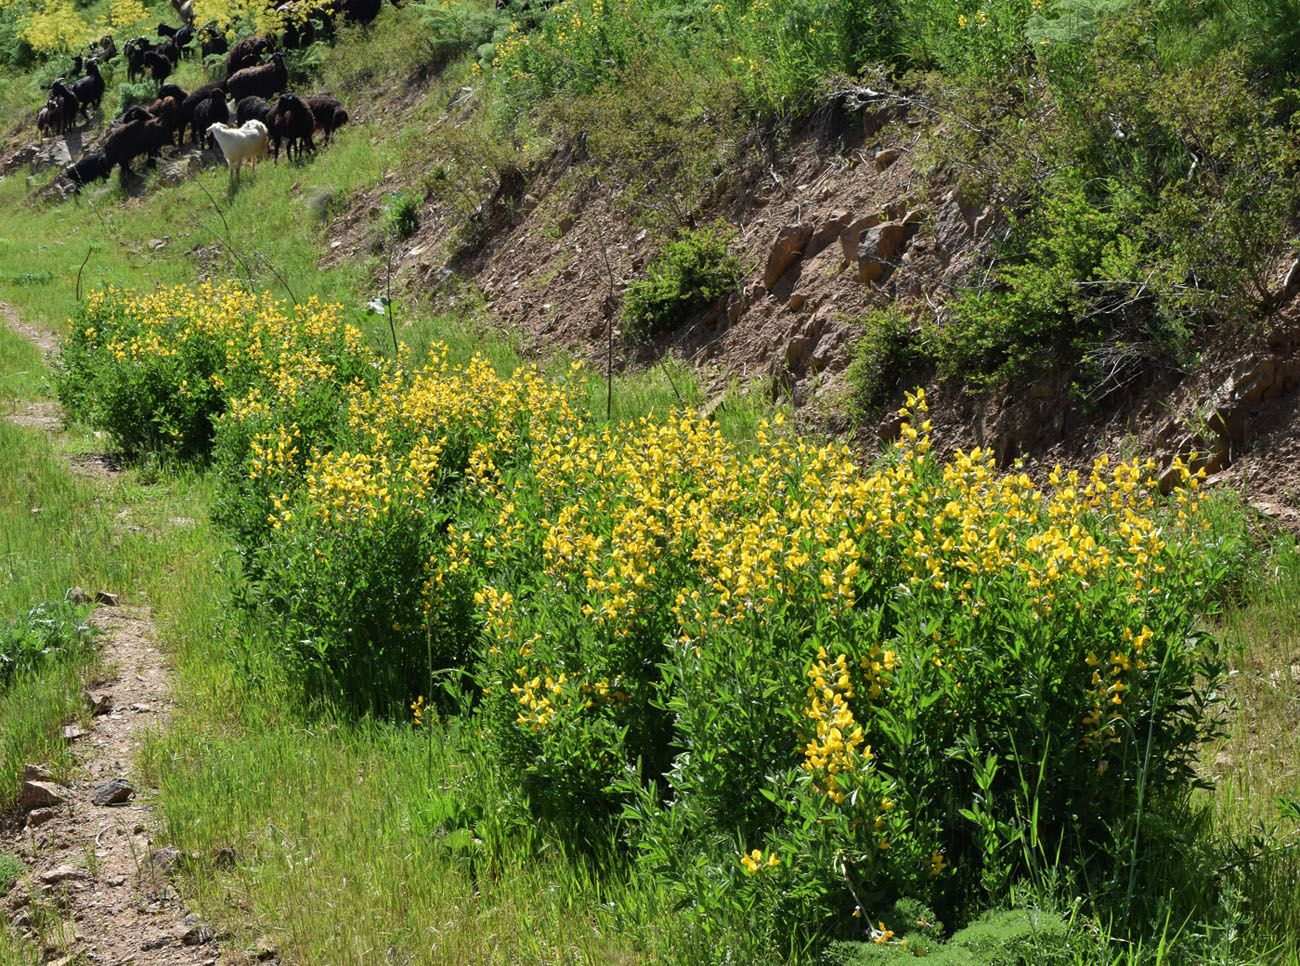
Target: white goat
240,144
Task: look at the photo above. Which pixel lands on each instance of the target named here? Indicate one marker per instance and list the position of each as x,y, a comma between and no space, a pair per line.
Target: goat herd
254,94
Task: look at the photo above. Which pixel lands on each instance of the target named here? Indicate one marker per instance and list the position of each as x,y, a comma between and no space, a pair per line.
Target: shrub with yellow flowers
788,681
156,370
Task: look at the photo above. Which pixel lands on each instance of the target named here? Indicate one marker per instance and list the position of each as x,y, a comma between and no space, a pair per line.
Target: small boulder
39,816
826,232
886,157
99,703
63,873
115,791
37,773
41,795
851,236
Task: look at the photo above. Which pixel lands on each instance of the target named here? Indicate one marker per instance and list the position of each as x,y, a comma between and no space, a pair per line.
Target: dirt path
43,339
95,889
92,869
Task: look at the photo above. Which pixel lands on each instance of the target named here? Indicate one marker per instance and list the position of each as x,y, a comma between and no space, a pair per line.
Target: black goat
133,113
135,51
263,81
88,168
212,40
171,50
190,103
251,109
184,38
247,53
211,111
124,144
89,90
328,113
359,11
290,122
160,67
49,121
67,101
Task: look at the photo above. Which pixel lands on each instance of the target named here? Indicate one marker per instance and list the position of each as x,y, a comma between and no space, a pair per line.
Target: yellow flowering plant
878,676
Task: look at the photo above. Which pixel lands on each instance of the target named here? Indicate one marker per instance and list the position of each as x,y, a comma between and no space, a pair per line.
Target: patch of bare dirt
90,860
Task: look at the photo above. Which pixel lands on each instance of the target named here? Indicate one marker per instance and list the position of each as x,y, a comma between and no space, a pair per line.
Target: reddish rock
789,244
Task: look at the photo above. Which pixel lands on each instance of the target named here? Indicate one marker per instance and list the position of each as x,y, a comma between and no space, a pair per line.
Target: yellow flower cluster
754,861
57,27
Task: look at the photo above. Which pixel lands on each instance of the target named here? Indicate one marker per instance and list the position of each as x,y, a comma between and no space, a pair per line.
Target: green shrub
1014,937
157,371
47,630
402,214
886,356
687,276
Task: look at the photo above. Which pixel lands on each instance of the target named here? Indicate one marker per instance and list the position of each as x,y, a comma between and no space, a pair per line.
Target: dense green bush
156,371
686,277
889,351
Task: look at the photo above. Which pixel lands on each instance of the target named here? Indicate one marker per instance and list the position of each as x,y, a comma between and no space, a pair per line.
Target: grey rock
63,873
41,795
115,791
39,816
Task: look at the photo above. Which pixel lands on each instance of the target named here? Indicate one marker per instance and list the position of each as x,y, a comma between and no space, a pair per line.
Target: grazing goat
123,144
67,101
252,109
133,113
184,37
49,121
87,169
184,9
106,49
263,81
190,104
247,53
290,122
206,113
239,144
171,50
135,51
168,110
160,67
299,31
89,90
328,113
212,40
